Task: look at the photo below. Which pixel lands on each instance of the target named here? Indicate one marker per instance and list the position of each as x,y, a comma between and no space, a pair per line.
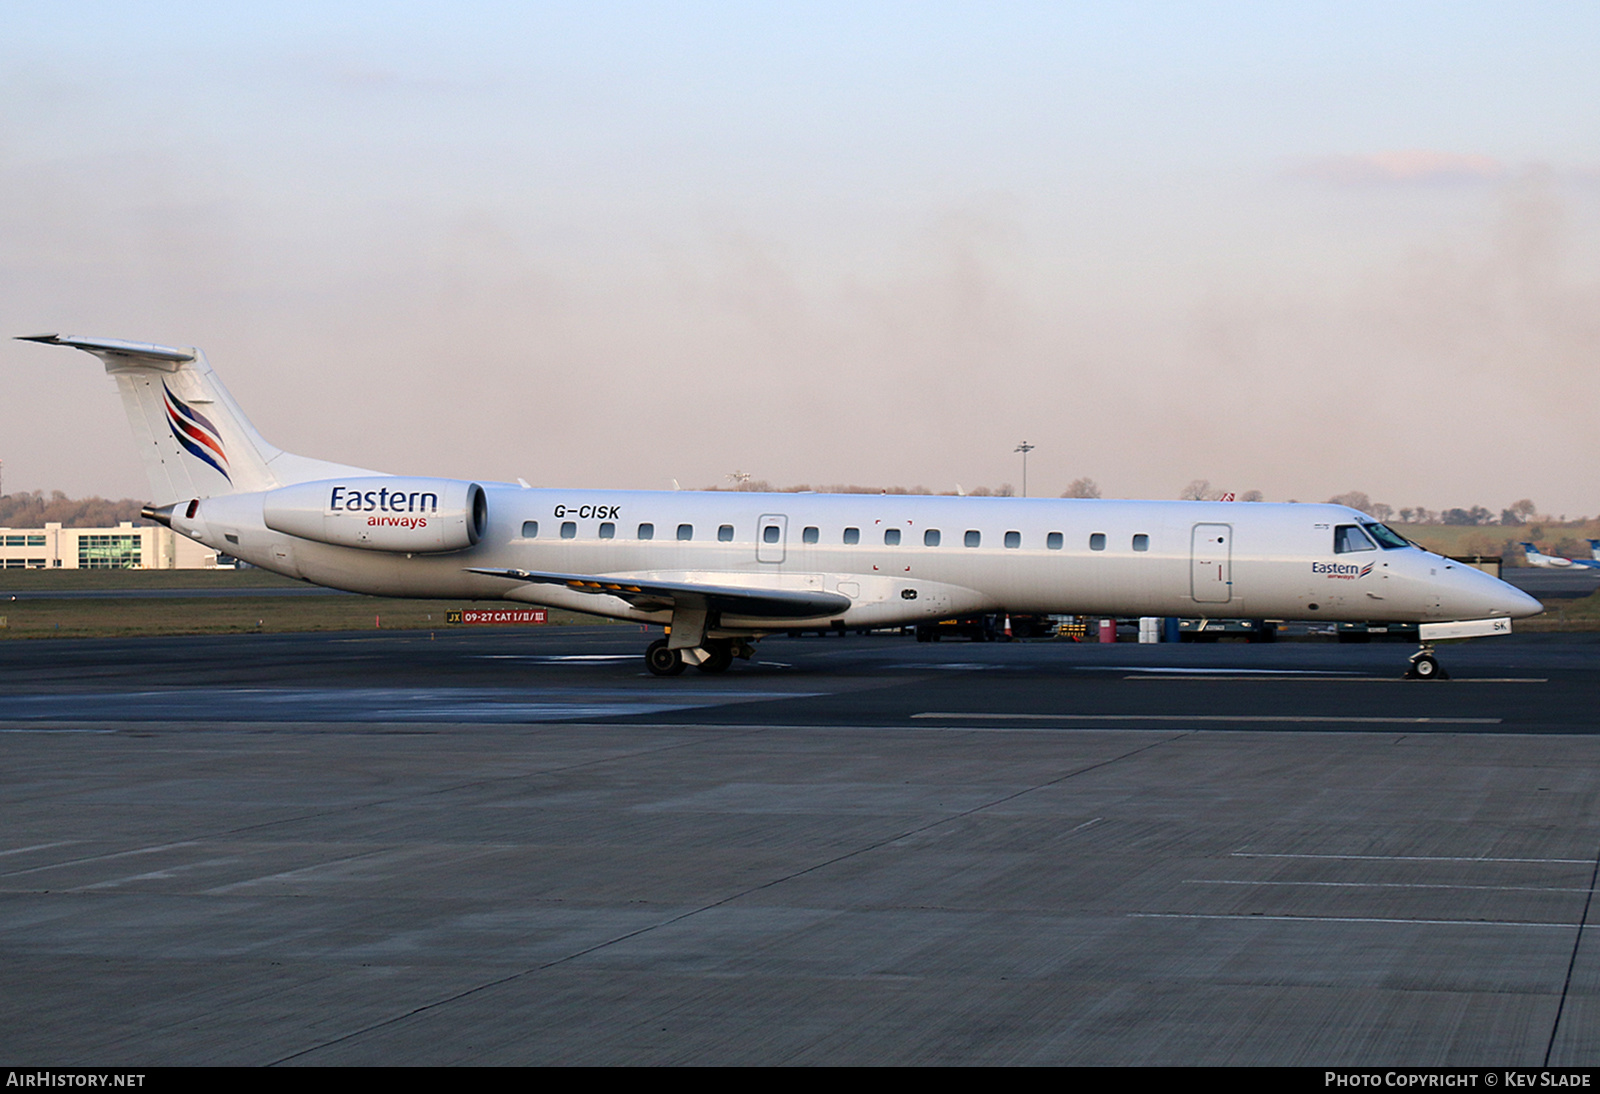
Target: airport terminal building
125,547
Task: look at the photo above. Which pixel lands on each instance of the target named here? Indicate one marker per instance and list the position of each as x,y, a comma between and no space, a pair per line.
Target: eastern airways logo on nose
195,433
1348,571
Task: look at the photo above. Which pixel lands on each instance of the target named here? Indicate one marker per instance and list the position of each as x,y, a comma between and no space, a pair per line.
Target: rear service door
1211,563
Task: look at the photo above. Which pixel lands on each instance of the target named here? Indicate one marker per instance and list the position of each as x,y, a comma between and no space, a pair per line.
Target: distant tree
1197,490
1355,499
1474,516
1525,510
1082,488
1381,510
1006,490
1252,495
1509,518
34,510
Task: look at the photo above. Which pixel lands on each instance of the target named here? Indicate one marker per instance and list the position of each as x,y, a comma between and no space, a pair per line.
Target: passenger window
972,538
725,534
930,538
530,529
1053,541
852,535
1013,539
769,533
891,537
608,530
809,536
1347,538
685,531
568,529
1097,542
647,531
1141,542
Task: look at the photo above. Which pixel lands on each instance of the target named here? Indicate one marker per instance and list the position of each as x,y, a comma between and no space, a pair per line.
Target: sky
1302,249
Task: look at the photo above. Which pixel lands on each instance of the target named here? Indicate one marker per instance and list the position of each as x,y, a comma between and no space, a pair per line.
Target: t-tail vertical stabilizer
192,436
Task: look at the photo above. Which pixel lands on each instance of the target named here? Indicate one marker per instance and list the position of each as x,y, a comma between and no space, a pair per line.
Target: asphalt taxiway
518,847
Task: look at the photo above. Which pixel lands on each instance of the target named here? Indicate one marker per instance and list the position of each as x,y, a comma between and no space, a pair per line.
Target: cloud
1406,166
350,75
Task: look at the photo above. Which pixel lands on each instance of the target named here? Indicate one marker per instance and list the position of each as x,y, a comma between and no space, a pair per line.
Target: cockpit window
1387,537
1349,537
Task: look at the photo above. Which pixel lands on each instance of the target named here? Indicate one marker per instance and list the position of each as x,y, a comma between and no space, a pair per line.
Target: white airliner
1557,562
721,569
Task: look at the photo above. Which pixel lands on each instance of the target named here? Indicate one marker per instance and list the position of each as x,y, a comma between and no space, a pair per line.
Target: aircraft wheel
719,655
662,661
1427,667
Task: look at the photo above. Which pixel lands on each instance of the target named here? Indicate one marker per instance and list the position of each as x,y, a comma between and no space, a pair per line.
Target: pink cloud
1402,166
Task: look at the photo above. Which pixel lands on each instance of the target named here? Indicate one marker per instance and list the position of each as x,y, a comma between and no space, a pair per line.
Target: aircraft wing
670,595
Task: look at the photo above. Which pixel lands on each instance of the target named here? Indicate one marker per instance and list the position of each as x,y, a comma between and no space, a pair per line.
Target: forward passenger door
1211,563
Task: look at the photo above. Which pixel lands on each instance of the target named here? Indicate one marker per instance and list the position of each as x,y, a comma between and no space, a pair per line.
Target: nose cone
1485,597
1518,604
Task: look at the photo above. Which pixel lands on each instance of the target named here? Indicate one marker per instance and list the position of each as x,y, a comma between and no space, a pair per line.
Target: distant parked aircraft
1556,562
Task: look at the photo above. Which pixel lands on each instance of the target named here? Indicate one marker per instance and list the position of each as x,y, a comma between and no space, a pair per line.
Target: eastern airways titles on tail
721,569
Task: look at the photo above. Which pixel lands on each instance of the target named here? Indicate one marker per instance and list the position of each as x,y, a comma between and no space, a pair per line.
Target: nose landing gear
1425,666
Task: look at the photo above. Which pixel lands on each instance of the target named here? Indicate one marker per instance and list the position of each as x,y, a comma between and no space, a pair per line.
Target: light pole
1025,448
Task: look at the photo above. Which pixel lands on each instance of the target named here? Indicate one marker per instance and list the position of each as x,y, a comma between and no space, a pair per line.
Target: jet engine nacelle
421,516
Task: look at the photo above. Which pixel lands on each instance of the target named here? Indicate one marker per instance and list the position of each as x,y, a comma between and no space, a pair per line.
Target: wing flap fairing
650,595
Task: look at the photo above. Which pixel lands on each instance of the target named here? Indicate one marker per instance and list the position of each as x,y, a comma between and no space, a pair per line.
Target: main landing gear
662,661
1425,666
712,657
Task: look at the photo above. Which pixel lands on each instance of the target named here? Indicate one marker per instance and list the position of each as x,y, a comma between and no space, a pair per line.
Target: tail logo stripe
195,433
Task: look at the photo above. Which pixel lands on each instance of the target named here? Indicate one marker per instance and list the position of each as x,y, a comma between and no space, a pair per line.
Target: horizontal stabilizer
115,347
665,595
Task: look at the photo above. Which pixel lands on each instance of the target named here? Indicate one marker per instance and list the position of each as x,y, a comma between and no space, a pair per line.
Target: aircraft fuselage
896,558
